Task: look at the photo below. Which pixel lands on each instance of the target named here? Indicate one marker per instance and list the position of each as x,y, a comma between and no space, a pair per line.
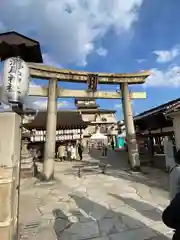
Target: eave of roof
20,35
171,111
65,119
97,110
163,108
87,106
13,44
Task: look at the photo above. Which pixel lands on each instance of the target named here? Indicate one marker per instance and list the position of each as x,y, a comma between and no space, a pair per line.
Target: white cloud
4,107
118,106
41,104
47,59
2,27
164,56
33,84
37,103
167,78
102,51
68,29
141,60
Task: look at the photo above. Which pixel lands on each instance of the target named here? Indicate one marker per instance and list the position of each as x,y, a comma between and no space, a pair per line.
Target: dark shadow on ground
96,221
117,166
119,161
143,208
61,222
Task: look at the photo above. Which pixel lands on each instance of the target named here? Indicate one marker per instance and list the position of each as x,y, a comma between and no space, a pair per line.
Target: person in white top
61,152
73,152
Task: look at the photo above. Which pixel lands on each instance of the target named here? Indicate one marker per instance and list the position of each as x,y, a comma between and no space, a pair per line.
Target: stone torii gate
54,75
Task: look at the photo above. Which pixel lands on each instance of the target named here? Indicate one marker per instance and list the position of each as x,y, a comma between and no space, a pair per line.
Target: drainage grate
29,230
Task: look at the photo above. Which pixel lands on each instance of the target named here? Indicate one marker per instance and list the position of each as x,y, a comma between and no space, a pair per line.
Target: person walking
61,152
174,175
73,152
89,147
112,144
69,152
105,150
171,216
80,151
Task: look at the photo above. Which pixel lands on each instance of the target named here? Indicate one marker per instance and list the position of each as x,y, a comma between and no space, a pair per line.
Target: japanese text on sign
14,74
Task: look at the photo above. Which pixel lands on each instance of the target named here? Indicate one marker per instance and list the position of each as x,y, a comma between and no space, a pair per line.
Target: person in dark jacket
80,150
174,175
112,145
171,216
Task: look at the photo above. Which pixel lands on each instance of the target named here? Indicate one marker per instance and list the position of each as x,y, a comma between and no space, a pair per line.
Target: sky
106,36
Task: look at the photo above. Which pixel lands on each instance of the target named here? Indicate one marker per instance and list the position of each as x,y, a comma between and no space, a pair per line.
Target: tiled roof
65,119
164,108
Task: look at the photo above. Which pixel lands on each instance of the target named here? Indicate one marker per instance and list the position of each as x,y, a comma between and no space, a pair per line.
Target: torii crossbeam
47,72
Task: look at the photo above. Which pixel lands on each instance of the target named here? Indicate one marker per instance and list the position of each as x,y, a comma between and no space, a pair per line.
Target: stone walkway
119,205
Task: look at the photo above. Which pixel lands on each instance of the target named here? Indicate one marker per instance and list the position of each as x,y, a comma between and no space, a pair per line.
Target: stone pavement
119,205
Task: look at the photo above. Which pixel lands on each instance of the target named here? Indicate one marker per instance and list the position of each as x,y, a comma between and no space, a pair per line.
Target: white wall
88,117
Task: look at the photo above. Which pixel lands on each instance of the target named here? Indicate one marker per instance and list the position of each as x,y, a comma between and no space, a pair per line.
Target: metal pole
50,143
133,153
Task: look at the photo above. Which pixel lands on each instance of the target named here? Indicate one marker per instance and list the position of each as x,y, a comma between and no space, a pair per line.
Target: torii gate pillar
50,143
133,154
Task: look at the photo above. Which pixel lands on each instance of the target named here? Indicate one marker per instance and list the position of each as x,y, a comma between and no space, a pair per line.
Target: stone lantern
28,167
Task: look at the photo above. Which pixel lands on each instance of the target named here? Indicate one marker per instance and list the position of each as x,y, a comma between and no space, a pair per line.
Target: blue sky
108,36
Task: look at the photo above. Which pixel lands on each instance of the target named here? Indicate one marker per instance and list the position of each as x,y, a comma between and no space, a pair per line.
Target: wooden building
151,128
70,126
173,114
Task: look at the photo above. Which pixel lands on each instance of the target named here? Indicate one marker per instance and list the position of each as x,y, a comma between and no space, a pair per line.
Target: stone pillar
27,165
133,153
10,143
50,143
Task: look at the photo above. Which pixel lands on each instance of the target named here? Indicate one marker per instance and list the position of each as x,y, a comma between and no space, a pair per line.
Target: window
103,119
